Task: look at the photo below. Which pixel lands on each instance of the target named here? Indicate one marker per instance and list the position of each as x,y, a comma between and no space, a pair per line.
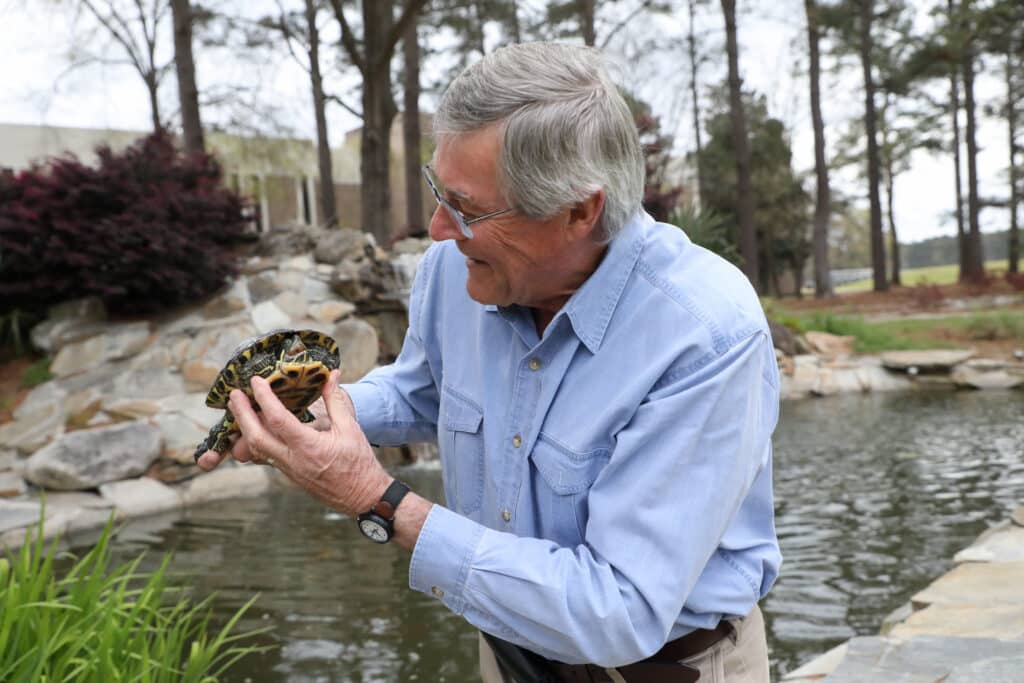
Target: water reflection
874,496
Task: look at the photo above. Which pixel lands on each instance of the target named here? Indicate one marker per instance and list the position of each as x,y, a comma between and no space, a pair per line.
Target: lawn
929,275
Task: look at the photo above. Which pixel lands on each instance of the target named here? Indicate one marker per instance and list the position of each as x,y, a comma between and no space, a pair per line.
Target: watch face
373,530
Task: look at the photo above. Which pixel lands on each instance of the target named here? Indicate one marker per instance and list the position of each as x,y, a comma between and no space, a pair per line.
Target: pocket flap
461,415
566,471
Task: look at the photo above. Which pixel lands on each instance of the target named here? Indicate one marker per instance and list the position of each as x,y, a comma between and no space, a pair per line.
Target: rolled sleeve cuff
443,555
371,406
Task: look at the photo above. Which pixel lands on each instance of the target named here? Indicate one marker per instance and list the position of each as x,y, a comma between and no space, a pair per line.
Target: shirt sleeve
679,472
398,403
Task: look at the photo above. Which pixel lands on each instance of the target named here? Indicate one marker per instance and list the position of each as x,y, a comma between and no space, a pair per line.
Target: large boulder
90,457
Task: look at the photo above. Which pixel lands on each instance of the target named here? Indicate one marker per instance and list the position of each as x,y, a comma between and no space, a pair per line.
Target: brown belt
663,665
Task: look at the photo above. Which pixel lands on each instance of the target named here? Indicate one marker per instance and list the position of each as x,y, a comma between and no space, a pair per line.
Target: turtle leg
219,438
305,415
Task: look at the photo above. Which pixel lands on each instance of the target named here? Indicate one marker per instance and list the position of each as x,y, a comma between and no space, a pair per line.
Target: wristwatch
378,523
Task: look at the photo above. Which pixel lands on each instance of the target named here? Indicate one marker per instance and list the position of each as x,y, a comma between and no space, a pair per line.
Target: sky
36,87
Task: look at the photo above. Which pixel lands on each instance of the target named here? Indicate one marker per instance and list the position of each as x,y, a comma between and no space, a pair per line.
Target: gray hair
566,131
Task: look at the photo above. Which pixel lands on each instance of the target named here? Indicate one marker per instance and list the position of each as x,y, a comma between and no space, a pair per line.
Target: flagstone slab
925,659
937,360
819,667
993,670
976,583
975,621
1002,543
142,496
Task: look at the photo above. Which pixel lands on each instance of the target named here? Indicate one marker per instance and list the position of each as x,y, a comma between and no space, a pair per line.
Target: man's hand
332,460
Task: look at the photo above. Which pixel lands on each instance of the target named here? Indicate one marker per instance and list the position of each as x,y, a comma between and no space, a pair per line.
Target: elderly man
603,393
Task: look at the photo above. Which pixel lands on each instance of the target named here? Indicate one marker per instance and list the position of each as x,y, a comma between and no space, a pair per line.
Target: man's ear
583,216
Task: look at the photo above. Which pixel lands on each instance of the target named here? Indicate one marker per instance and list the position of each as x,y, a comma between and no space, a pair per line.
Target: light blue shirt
608,485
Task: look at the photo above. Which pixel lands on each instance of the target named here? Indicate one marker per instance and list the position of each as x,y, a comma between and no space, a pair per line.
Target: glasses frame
460,218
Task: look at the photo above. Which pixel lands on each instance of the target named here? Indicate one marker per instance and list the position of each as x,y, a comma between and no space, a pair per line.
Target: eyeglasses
460,218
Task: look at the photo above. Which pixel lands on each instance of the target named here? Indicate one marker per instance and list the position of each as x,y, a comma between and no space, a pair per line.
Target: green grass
37,373
98,623
875,336
929,275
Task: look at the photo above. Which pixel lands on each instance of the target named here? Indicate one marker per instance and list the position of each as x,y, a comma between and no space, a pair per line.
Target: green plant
98,624
707,229
996,326
870,337
37,373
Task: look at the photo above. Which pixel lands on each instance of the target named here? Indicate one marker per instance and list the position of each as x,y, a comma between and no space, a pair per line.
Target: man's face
511,259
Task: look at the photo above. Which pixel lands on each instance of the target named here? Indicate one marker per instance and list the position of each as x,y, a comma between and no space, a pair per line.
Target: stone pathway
967,626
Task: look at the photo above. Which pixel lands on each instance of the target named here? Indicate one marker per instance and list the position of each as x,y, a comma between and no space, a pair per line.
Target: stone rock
782,337
830,345
158,355
290,280
67,322
873,377
1018,516
976,583
391,327
9,459
87,458
804,378
44,395
227,482
982,373
200,373
837,380
142,496
80,355
82,406
937,360
34,429
925,659
315,289
148,383
268,316
12,485
895,618
18,514
232,301
303,262
991,670
411,245
330,311
1002,543
116,342
357,340
820,666
263,287
292,304
258,264
335,246
193,406
968,621
181,436
131,409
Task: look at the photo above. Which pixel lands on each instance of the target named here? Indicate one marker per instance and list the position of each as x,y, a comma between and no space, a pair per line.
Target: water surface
874,495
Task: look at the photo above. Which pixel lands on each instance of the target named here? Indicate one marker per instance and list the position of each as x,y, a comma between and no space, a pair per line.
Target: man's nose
443,226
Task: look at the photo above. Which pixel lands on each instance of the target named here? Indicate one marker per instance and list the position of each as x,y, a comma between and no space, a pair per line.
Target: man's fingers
278,419
339,405
209,460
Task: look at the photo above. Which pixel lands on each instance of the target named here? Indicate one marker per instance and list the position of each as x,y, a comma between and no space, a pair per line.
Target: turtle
296,363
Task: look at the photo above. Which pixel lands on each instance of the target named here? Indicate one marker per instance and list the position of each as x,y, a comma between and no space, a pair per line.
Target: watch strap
388,502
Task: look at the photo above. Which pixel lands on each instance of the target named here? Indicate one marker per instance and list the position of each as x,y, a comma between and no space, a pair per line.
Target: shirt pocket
461,445
562,477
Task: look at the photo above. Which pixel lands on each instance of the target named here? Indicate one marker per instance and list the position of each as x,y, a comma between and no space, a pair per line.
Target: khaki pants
742,661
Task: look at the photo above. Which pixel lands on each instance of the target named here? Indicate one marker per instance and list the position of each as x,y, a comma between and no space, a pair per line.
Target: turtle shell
296,363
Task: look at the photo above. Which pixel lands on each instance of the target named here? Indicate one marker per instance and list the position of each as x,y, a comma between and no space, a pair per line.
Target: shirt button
437,591
506,515
535,363
517,441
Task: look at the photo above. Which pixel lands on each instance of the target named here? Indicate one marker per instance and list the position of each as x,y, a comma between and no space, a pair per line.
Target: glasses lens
455,214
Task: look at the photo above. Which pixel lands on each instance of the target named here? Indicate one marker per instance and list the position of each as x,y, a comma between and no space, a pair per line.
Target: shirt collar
591,307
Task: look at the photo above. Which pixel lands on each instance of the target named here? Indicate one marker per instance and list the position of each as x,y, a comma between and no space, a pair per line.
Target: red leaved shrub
146,230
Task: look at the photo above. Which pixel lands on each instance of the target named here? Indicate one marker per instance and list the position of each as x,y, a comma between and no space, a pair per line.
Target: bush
97,624
147,229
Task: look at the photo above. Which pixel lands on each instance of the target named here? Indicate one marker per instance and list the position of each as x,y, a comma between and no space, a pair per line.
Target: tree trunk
154,104
517,34
823,199
379,111
747,237
1013,251
975,260
894,243
188,93
328,209
881,282
954,97
587,11
411,134
691,40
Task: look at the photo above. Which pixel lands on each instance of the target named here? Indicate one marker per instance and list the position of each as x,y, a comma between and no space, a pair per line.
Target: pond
874,496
